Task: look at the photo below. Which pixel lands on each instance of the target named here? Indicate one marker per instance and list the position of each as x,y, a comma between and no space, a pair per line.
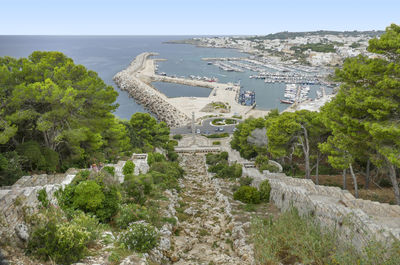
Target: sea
107,55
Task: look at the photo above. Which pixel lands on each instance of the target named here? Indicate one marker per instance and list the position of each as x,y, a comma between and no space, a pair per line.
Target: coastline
177,111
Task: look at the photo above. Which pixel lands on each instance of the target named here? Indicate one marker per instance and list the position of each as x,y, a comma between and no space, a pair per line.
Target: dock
177,112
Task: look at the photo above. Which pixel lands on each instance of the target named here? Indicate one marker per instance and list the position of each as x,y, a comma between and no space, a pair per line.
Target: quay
177,112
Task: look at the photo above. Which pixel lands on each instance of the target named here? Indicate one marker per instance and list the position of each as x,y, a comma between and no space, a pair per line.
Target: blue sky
191,17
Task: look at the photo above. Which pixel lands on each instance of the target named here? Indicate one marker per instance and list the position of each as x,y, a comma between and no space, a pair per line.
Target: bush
88,196
82,175
247,194
164,181
63,243
213,159
137,187
245,181
223,170
128,168
10,168
216,143
265,190
218,135
139,237
88,222
109,170
109,207
172,156
130,213
170,168
177,137
42,198
155,157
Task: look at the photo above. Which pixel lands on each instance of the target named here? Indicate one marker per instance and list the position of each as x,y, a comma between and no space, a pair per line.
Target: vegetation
358,130
56,115
177,137
139,237
62,241
265,190
219,165
128,168
247,194
293,239
217,135
315,47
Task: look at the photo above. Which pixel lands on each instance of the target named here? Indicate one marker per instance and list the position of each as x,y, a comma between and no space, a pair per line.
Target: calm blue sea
108,55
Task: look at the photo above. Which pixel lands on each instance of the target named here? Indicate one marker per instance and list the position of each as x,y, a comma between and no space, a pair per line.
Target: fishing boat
287,101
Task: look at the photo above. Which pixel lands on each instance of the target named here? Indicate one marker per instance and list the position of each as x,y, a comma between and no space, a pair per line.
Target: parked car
198,131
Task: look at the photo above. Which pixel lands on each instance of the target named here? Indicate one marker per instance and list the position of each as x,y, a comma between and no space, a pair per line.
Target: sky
192,17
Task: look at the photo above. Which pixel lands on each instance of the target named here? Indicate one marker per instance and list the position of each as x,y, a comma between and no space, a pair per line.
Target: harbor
222,101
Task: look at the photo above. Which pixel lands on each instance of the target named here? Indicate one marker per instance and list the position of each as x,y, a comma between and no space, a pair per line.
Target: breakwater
146,95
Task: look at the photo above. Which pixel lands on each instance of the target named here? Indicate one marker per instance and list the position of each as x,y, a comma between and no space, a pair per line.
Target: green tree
364,115
146,133
240,141
63,107
292,130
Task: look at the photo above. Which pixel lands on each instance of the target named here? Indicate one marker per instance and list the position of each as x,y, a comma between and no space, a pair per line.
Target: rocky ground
207,231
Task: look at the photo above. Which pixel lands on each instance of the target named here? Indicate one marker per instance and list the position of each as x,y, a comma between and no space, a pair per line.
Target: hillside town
320,48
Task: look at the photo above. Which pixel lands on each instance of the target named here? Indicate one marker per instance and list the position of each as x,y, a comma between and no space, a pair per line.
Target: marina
177,111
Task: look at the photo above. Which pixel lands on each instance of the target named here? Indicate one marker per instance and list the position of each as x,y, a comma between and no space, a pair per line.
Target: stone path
207,232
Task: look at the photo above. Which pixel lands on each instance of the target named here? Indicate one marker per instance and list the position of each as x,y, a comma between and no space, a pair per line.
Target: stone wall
358,221
20,200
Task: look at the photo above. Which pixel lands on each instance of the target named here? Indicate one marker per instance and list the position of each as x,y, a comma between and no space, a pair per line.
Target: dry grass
374,193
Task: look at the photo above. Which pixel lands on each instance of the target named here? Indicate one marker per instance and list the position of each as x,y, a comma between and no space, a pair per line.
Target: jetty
177,111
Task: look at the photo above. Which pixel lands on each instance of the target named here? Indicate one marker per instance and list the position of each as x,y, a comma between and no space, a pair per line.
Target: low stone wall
147,96
20,200
358,221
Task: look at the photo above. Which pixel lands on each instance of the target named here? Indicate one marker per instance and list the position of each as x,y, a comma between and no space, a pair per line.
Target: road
204,128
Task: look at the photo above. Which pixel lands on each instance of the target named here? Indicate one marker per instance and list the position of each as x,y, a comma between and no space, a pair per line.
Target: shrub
155,157
109,170
213,159
169,168
218,135
139,237
245,181
82,175
42,198
265,190
88,222
172,156
128,168
223,170
63,243
164,181
88,196
177,137
247,194
216,143
130,213
137,187
10,168
109,207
